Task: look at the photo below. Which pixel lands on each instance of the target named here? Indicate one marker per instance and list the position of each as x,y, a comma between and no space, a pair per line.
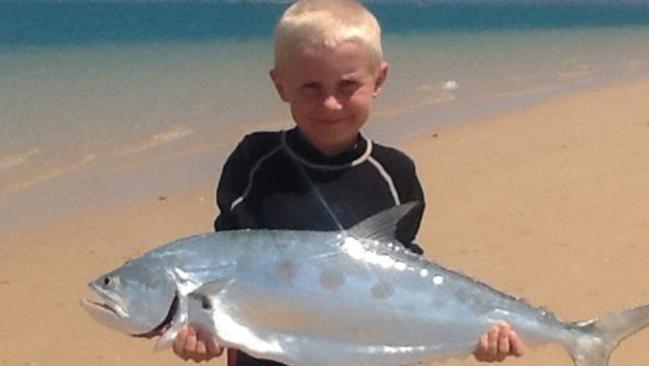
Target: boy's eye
349,85
311,88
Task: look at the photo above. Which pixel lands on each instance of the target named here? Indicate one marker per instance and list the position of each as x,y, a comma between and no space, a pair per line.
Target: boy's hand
193,343
499,342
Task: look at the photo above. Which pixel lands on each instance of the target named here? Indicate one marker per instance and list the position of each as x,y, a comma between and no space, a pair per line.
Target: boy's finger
213,348
516,344
503,341
483,345
201,349
492,334
179,343
482,352
190,343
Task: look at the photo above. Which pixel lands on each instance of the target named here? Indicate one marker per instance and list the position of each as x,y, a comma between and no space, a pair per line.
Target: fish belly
304,304
302,322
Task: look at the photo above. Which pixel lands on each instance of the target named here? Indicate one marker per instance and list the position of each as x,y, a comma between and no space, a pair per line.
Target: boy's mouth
330,121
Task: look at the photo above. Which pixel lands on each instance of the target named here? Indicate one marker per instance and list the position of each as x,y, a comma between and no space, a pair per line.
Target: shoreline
181,152
70,116
547,202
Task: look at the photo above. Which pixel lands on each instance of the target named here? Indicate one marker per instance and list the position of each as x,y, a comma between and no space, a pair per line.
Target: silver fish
331,299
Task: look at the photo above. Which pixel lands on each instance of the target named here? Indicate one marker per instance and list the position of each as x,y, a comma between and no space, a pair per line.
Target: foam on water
12,160
165,137
38,176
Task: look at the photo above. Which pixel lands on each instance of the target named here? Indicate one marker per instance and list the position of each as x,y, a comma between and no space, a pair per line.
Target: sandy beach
550,203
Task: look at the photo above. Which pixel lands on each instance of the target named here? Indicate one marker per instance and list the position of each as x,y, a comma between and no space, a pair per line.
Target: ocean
103,102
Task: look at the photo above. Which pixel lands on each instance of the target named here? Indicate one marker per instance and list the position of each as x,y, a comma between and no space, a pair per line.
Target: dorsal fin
382,226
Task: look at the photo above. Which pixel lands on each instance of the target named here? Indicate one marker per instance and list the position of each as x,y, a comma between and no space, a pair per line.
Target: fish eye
107,281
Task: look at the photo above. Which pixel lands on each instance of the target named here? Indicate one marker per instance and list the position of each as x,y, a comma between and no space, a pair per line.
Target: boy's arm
193,343
234,180
236,174
229,187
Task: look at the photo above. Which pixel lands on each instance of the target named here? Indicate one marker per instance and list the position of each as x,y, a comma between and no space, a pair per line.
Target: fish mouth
103,303
166,322
99,307
105,312
112,314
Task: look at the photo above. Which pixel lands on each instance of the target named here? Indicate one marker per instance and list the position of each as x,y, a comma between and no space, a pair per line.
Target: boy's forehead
307,52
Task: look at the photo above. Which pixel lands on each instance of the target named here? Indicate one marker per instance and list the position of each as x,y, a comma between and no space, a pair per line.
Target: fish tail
599,337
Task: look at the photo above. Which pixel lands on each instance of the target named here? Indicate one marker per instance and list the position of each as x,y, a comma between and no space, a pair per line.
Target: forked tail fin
602,336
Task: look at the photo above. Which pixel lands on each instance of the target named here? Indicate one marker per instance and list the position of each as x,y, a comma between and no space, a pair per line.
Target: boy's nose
332,103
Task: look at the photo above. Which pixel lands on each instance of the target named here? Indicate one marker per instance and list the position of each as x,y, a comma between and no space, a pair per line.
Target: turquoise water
105,101
87,22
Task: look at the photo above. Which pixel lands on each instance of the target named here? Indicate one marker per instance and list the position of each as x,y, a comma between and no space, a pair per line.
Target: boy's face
330,91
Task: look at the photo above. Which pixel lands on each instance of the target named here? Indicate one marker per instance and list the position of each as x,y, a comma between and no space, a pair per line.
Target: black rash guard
278,180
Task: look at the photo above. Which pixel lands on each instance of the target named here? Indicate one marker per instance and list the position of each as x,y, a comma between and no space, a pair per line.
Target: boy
323,174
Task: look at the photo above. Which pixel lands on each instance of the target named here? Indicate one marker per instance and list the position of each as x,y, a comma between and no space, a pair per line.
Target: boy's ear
380,78
279,85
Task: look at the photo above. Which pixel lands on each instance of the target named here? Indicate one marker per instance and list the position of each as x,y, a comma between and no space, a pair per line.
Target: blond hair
328,23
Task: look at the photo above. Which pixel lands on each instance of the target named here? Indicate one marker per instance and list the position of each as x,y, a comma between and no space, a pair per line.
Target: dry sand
550,203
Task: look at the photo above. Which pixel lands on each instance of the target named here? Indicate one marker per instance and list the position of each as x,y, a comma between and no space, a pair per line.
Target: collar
304,152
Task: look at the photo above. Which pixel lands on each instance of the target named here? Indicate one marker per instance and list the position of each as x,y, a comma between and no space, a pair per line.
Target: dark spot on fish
462,295
4,283
286,269
381,291
435,135
331,280
206,304
162,198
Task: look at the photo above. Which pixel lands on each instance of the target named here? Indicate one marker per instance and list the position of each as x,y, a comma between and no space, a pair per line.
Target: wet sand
550,203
